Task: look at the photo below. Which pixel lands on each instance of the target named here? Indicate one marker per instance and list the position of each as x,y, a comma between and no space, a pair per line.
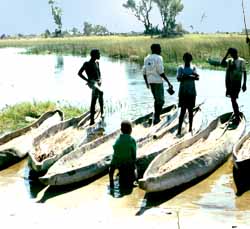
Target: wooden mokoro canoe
16,145
166,138
193,158
241,164
241,153
94,158
57,141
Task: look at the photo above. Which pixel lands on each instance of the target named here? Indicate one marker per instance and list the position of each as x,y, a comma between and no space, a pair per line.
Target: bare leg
181,118
190,116
235,109
111,175
101,102
92,108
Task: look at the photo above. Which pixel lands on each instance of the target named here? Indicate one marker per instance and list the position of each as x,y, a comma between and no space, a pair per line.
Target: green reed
135,48
15,116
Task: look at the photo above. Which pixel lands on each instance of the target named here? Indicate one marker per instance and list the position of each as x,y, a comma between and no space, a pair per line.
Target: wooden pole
246,30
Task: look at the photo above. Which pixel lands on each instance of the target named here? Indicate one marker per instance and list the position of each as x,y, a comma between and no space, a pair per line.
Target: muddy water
206,199
212,199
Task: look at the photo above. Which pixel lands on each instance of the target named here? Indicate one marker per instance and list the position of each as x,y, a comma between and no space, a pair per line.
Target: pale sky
34,16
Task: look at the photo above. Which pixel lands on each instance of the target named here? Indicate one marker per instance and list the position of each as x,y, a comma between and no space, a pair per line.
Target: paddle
227,125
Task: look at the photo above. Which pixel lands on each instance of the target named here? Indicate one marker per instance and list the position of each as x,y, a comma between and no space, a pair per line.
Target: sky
34,16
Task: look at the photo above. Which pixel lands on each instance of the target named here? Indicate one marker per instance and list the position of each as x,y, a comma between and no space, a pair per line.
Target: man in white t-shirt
153,73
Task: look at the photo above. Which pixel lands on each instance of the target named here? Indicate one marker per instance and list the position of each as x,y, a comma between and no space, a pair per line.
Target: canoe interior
16,145
98,152
194,157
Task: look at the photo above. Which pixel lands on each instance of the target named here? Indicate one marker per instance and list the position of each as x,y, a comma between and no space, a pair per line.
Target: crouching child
124,158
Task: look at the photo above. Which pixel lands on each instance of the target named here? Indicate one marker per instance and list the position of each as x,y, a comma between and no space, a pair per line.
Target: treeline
168,10
141,9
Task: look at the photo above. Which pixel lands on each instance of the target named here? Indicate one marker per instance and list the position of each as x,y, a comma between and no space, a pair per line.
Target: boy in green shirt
124,157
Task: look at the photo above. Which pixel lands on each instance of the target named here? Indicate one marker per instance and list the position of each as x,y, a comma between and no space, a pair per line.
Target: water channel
54,78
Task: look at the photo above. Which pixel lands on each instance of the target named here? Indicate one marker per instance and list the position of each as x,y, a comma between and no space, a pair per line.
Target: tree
141,11
94,29
57,15
47,33
87,28
169,9
100,30
75,31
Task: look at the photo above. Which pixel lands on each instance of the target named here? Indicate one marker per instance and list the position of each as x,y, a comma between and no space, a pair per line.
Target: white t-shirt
236,68
153,68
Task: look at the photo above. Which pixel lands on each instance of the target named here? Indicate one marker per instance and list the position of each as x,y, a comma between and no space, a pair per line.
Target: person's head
187,57
95,54
156,49
233,52
126,127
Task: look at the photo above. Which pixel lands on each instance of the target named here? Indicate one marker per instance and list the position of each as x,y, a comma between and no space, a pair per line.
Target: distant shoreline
135,48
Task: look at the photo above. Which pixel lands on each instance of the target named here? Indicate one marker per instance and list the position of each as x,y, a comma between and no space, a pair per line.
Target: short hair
155,48
126,127
93,52
187,56
233,51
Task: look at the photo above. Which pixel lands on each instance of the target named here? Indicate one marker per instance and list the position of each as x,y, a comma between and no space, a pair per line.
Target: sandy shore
206,204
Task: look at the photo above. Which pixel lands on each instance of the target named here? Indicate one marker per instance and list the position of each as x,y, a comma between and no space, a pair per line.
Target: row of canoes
64,152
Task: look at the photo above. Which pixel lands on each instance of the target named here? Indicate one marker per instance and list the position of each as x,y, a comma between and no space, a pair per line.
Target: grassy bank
135,48
15,117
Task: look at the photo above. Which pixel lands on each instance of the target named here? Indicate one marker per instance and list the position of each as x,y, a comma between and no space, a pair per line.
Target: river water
50,77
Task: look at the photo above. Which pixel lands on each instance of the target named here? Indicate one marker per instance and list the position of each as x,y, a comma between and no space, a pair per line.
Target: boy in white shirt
153,73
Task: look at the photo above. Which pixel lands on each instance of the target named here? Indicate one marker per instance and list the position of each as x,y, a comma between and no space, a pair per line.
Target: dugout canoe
59,140
193,158
166,138
241,153
16,145
241,164
94,158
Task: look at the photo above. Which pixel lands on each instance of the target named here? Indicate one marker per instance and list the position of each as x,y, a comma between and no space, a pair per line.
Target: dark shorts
187,101
233,89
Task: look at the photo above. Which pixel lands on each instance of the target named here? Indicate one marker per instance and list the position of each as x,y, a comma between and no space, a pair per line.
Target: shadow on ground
52,191
155,199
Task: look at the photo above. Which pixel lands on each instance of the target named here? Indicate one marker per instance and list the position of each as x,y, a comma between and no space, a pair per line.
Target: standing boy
187,75
153,73
92,70
236,68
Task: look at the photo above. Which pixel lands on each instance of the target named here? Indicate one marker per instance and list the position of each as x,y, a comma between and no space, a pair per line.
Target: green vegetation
135,48
15,117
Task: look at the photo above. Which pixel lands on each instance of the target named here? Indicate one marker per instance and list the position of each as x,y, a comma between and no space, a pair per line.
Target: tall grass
15,117
136,48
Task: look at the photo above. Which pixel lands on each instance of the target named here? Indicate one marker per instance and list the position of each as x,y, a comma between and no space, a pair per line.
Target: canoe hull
97,167
40,167
16,151
200,166
241,167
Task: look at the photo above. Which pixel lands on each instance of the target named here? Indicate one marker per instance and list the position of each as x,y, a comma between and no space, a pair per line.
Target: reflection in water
59,67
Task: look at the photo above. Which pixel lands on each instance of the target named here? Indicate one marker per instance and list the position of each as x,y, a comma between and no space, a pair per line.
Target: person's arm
224,60
160,70
134,148
145,76
146,80
166,79
195,75
244,86
80,73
